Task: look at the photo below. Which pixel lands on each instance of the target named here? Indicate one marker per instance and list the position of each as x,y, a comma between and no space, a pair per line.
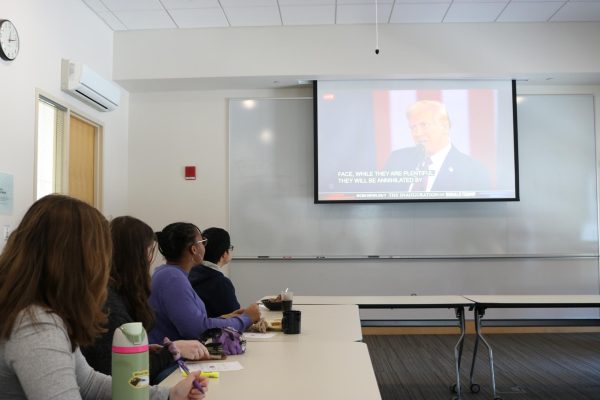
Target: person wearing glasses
128,293
214,288
54,272
180,313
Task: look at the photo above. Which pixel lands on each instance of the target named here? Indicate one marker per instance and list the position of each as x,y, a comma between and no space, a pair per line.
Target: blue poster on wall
6,194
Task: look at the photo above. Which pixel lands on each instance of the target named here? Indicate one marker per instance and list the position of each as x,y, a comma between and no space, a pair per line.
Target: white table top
537,300
339,322
386,301
296,371
465,300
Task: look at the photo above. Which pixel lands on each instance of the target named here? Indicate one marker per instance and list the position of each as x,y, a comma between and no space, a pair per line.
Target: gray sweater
37,363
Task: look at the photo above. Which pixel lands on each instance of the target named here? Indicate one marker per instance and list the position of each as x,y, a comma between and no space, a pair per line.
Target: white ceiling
168,14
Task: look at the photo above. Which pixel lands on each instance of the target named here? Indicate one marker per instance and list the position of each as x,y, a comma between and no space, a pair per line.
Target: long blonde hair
58,258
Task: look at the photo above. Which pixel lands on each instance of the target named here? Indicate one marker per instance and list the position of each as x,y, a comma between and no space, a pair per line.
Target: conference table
336,322
295,371
480,303
458,303
325,361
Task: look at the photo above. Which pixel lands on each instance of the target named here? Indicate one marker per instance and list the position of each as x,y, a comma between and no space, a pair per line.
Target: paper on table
215,366
256,335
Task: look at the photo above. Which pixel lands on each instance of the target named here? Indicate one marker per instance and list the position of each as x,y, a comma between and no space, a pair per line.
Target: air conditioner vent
82,82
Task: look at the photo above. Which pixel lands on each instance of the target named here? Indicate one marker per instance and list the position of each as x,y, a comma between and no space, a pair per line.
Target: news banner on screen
389,141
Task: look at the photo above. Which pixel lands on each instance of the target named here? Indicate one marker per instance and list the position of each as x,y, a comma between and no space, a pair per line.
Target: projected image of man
434,163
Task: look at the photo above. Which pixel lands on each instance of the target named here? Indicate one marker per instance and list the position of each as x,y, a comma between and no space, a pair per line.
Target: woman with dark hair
128,294
53,276
214,288
180,313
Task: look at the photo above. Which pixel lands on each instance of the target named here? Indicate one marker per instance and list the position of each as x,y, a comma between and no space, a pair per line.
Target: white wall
49,31
407,50
169,130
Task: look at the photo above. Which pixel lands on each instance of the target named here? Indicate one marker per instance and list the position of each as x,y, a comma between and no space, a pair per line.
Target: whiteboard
271,193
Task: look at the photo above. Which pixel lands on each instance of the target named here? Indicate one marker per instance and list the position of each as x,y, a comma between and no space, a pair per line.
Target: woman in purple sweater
180,313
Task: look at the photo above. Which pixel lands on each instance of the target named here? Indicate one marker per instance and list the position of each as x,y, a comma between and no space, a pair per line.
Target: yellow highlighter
208,374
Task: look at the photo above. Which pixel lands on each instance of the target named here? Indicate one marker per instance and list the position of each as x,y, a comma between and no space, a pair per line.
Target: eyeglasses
231,248
203,241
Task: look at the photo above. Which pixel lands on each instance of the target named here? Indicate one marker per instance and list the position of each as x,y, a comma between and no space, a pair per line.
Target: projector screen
395,141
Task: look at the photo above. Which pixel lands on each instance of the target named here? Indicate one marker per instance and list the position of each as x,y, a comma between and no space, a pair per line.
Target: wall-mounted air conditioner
83,83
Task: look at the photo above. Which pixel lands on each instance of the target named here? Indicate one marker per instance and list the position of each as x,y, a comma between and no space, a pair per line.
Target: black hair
218,243
175,238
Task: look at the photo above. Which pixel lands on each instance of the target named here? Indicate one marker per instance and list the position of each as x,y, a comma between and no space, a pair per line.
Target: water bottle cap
130,334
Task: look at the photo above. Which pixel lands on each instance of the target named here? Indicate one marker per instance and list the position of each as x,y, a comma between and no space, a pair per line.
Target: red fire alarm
190,173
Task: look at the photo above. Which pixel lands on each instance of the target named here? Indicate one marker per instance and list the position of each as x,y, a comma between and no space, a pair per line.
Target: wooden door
83,154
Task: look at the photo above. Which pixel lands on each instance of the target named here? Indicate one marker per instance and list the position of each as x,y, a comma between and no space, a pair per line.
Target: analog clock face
9,40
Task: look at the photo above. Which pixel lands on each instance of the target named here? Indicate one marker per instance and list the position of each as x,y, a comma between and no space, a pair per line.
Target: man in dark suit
434,164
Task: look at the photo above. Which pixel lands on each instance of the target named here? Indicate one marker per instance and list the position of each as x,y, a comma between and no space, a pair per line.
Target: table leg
475,348
458,349
479,313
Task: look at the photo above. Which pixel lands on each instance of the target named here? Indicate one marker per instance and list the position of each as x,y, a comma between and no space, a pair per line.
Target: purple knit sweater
180,313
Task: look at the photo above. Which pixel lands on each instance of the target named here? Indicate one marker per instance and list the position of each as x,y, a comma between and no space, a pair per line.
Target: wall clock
9,40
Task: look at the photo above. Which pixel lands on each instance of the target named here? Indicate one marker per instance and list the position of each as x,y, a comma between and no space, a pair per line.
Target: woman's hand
156,347
253,312
192,350
185,389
